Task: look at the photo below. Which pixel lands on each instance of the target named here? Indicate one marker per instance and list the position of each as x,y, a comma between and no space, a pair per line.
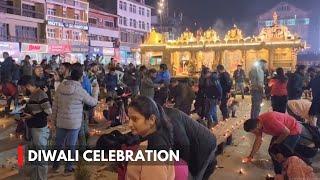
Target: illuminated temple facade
186,55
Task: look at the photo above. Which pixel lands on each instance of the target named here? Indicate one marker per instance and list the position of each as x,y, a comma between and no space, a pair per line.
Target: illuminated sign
59,49
34,48
68,25
108,51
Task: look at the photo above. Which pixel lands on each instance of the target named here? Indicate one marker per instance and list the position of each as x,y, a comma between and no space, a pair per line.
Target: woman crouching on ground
148,120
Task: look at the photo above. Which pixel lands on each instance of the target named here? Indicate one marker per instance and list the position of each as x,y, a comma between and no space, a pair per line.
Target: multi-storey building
299,21
103,34
22,21
134,22
67,28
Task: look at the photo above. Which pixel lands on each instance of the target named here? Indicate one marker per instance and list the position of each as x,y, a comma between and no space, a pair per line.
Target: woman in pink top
292,166
279,93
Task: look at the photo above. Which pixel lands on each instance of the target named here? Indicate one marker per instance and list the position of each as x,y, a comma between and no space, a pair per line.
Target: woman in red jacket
279,93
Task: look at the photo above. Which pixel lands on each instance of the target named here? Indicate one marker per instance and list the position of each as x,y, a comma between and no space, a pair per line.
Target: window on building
120,5
124,37
148,27
92,21
120,20
25,33
142,11
125,21
148,13
131,23
52,12
134,23
269,23
93,37
130,8
76,35
67,34
3,31
124,6
143,25
51,33
140,25
134,9
77,16
306,21
28,10
291,22
108,24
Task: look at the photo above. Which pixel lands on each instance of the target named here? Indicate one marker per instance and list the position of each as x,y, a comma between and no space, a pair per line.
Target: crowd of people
62,98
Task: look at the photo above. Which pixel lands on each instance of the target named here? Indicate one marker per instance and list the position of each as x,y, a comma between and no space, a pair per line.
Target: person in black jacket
296,83
226,85
195,142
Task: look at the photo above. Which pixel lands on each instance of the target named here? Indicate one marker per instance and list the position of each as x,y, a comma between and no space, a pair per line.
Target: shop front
60,50
35,51
126,55
108,53
12,48
78,54
95,52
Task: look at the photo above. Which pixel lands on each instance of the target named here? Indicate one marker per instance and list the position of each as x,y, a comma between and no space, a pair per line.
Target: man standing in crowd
315,88
68,112
256,76
239,77
296,83
213,93
37,110
64,70
111,82
26,68
226,85
163,77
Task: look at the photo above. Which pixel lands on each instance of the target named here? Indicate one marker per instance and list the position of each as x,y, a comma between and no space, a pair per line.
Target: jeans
66,138
211,113
290,142
256,100
224,108
240,87
39,141
207,168
279,103
84,129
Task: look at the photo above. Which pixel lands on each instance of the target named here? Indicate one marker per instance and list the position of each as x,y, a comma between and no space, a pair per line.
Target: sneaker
68,172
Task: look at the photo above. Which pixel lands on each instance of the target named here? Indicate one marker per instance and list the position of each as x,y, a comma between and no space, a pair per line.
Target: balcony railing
75,3
17,11
22,39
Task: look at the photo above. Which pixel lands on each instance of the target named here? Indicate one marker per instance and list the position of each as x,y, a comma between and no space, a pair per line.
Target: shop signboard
68,25
59,49
80,49
96,50
12,48
34,48
108,51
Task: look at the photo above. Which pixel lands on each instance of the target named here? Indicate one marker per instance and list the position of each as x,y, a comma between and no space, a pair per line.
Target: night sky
207,12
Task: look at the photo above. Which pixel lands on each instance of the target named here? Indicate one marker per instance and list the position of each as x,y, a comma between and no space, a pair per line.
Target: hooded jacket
67,110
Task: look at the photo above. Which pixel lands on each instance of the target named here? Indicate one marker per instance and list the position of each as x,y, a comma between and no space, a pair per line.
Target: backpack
213,88
9,89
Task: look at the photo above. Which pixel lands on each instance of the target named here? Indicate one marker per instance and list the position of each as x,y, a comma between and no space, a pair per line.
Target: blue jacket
86,84
111,82
163,77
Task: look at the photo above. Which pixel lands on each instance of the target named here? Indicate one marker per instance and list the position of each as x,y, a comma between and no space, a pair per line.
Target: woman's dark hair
151,71
66,65
164,67
76,73
301,68
281,76
148,107
250,125
280,149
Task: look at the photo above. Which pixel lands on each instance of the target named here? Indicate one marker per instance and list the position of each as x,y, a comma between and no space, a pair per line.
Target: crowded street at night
159,89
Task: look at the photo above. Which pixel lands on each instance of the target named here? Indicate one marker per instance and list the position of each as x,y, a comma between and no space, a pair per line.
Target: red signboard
59,49
34,48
